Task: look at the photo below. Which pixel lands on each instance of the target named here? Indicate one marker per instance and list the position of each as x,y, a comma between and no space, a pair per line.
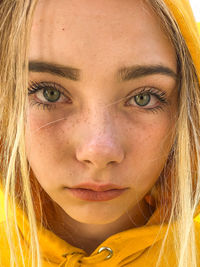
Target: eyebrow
134,72
124,73
55,69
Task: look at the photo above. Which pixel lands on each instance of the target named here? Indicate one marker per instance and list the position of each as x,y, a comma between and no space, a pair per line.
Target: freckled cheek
48,141
158,137
148,153
46,154
37,118
42,136
151,141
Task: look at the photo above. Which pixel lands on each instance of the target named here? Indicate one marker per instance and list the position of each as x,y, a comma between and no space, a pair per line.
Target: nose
100,146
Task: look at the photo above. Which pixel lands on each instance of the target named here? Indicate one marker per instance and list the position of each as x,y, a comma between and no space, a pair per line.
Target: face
102,102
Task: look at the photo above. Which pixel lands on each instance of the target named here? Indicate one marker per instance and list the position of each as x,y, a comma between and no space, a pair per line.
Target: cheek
148,149
155,139
45,148
43,131
152,134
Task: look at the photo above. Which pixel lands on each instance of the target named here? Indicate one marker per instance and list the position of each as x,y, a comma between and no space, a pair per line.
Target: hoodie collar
118,249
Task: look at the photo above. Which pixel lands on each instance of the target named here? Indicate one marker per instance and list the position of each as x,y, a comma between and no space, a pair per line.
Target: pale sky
196,8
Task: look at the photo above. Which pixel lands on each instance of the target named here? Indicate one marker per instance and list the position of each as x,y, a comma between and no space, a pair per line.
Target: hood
184,16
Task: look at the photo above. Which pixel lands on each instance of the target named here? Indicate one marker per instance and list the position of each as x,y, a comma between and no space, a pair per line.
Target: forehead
96,33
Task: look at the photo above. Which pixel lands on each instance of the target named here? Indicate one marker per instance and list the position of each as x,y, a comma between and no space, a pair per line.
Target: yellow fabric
198,218
136,247
183,14
198,24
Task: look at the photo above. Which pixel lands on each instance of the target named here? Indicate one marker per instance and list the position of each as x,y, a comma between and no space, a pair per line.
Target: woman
100,156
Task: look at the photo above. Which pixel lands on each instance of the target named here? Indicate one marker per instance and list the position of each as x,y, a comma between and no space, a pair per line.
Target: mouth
91,195
98,187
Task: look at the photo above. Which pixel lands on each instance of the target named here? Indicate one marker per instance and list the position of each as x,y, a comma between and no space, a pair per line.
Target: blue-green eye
51,94
148,98
142,99
48,94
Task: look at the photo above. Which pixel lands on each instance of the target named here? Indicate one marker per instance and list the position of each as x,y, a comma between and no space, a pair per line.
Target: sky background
196,8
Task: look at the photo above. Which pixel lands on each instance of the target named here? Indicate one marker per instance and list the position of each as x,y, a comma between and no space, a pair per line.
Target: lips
96,192
98,187
90,195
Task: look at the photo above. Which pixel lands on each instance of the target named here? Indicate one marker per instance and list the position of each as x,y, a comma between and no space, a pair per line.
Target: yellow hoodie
136,247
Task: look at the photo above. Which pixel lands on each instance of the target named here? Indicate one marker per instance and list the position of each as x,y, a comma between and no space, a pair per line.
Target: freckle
63,29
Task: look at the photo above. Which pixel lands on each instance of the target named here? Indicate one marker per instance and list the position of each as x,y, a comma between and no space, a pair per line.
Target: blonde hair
178,184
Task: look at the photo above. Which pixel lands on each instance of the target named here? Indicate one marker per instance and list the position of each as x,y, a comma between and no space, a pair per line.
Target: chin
93,217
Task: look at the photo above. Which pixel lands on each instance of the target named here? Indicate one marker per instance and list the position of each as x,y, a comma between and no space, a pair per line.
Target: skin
97,137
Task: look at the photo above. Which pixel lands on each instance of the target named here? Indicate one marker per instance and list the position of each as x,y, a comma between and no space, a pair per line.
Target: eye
143,99
51,94
148,99
48,94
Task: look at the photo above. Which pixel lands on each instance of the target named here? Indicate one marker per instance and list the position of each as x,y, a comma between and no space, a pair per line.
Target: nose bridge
101,121
100,144
100,125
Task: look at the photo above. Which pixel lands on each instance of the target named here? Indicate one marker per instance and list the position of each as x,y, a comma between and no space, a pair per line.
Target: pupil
142,100
51,95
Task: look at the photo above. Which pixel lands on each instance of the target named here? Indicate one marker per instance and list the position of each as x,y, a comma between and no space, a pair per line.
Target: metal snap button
108,249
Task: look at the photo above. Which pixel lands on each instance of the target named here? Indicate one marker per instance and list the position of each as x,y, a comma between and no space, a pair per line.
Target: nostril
87,161
111,162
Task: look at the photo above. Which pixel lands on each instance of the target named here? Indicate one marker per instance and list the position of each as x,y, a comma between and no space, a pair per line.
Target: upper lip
98,187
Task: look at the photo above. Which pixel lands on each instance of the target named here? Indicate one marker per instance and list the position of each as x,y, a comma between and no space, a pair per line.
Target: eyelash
35,87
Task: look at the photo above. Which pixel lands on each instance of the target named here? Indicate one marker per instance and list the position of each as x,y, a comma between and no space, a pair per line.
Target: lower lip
90,195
